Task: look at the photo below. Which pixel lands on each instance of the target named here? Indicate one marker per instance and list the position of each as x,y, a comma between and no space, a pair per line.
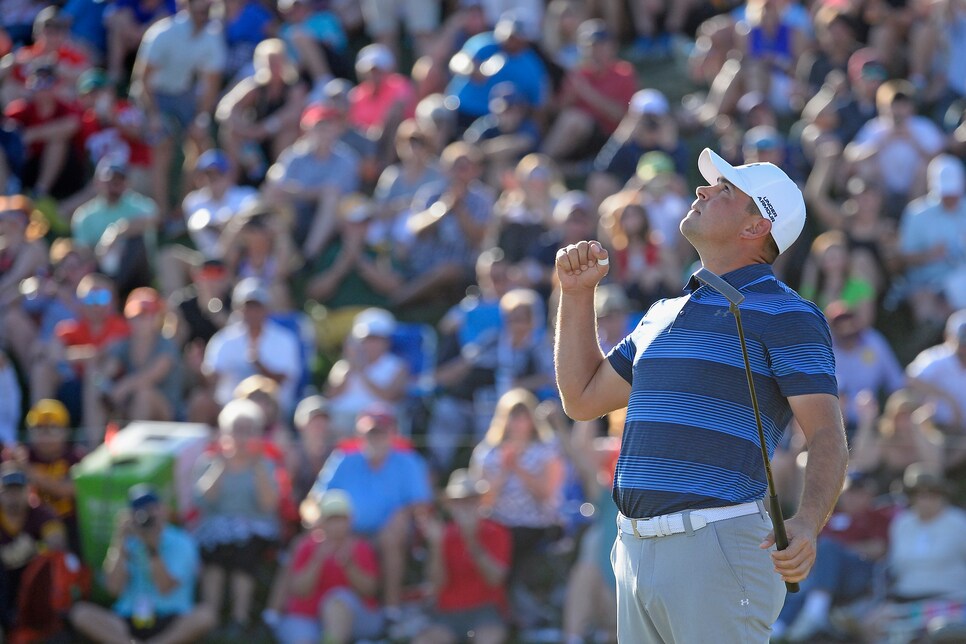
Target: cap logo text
768,208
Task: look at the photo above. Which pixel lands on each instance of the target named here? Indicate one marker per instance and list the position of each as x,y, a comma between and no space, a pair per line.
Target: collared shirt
180,54
402,480
179,553
690,438
92,219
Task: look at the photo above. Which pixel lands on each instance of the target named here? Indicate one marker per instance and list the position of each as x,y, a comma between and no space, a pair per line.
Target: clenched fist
581,266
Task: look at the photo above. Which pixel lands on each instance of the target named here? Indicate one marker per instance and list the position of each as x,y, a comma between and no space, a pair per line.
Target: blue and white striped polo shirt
690,439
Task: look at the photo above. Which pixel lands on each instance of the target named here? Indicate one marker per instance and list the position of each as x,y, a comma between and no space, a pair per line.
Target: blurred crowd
326,229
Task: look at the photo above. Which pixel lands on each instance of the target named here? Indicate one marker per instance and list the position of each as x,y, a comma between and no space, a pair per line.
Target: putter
735,298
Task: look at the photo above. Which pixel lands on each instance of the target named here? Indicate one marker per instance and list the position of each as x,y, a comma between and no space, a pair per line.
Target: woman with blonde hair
259,117
833,272
522,464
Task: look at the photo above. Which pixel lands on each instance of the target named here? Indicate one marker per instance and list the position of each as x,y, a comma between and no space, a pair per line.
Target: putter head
714,281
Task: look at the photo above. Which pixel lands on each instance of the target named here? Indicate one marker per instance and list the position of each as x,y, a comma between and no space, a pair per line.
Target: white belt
668,524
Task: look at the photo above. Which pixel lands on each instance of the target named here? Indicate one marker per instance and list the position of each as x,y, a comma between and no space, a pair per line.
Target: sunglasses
97,297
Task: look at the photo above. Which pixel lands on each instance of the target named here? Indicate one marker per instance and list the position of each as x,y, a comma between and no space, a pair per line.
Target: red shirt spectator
465,587
27,114
332,575
617,82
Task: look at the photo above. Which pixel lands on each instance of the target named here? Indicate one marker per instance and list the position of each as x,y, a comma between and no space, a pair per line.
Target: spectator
351,273
926,558
112,127
524,210
46,299
252,344
207,210
23,253
259,117
142,375
467,567
931,234
127,22
312,175
313,445
332,579
66,366
383,97
663,193
120,226
25,530
237,496
176,79
448,226
315,38
612,309
400,182
51,46
864,361
368,372
374,153
831,273
47,460
851,548
151,568
466,368
574,218
524,357
559,38
246,23
506,134
523,468
388,486
939,373
884,447
647,126
594,97
647,268
48,125
895,147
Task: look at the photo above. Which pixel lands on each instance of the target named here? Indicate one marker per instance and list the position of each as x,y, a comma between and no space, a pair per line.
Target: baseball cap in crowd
317,113
505,95
141,496
310,407
48,412
946,177
108,168
763,137
11,475
378,415
864,63
143,299
591,32
777,197
250,289
750,101
213,159
510,24
462,485
91,81
375,56
336,91
653,164
569,202
920,477
649,101
321,505
373,322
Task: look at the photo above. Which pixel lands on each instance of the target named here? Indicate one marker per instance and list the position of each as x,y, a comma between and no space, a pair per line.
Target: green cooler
161,454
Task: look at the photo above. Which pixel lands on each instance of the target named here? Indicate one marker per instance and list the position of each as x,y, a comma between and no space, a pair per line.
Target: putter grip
781,539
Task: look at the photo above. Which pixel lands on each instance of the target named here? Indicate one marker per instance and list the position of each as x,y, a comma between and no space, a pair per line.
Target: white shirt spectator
207,216
899,160
941,367
179,54
357,396
929,558
227,357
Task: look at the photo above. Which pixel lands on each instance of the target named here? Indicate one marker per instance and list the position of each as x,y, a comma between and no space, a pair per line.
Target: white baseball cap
375,56
778,198
649,101
945,176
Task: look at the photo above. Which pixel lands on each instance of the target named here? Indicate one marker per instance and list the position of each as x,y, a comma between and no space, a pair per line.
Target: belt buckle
637,534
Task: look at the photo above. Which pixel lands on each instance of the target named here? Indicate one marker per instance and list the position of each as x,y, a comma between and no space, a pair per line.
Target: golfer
692,555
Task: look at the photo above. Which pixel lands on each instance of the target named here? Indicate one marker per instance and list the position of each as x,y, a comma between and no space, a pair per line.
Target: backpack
49,586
